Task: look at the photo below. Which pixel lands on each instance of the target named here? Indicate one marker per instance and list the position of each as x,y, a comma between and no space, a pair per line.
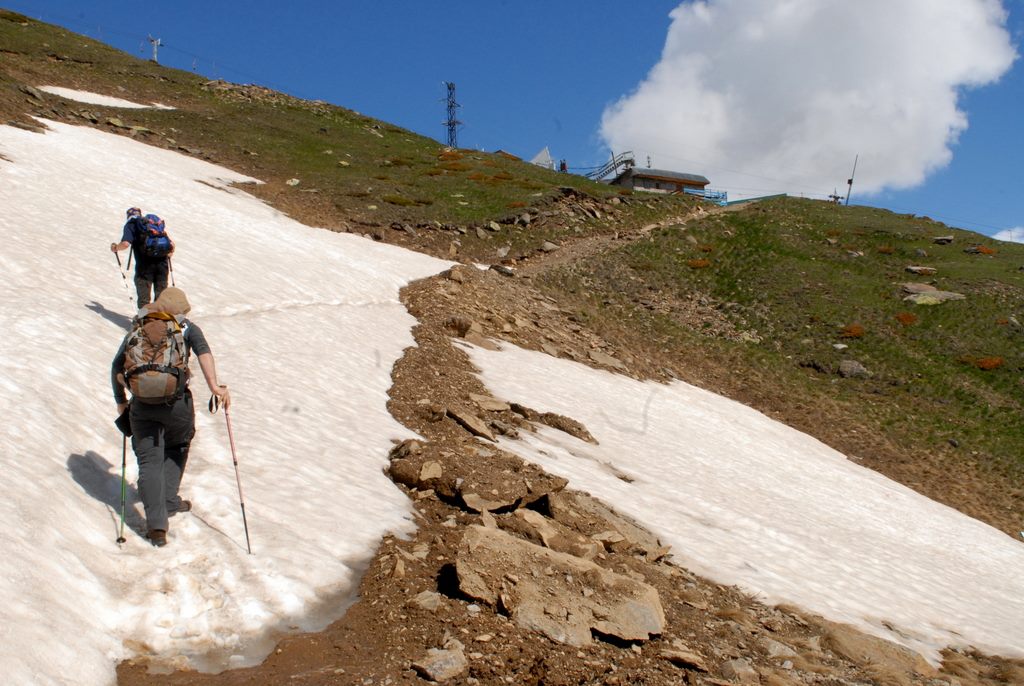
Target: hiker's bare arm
115,247
209,368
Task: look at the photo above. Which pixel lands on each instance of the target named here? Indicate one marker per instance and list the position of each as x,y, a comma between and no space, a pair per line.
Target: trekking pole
124,489
214,406
170,269
124,277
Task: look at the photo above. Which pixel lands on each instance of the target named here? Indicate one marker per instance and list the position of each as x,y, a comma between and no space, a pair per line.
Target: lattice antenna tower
452,124
156,43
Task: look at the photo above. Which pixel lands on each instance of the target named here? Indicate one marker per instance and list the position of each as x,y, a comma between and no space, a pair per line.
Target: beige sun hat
172,301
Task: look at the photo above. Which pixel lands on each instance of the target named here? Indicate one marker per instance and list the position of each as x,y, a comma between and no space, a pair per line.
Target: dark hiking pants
160,438
150,277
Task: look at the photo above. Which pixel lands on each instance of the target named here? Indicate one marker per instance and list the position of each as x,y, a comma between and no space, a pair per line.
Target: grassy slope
783,271
799,277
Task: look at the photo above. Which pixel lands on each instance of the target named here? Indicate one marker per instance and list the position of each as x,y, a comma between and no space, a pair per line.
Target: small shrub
508,155
398,200
985,250
399,162
503,176
517,204
886,249
434,171
450,156
906,318
625,191
832,233
698,263
988,363
477,176
1002,322
852,331
455,166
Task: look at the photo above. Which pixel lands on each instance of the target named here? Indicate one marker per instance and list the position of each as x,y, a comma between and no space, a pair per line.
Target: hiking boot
183,506
158,537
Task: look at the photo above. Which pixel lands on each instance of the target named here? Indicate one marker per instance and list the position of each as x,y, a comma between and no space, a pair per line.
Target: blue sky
531,74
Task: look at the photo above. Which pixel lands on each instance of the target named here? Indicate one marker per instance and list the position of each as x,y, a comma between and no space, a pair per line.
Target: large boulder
562,596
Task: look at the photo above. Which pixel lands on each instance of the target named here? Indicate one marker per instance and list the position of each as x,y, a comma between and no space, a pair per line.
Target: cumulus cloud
781,95
1015,235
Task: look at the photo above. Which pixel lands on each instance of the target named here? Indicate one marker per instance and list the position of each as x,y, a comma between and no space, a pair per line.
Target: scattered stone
740,670
409,446
430,470
851,369
293,182
934,297
486,402
942,240
775,648
923,271
488,560
475,503
470,422
548,246
591,517
864,649
604,358
493,226
427,600
503,270
539,529
918,288
441,664
34,92
684,658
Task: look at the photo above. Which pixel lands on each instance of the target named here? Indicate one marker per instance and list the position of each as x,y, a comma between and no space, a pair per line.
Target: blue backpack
155,242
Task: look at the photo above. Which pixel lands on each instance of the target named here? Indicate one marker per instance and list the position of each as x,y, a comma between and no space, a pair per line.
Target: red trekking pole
214,406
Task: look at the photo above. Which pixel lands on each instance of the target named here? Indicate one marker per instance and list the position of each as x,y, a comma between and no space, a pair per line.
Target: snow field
305,325
745,500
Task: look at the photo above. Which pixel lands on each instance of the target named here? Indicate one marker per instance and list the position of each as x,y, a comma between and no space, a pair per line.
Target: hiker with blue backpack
152,249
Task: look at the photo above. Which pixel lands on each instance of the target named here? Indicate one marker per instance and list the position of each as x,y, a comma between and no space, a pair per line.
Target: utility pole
849,182
648,161
452,124
156,43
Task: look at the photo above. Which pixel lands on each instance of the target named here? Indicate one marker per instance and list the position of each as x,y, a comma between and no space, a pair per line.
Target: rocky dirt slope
514,578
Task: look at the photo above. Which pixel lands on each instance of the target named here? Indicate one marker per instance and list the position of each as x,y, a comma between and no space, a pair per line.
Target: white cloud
1015,235
769,95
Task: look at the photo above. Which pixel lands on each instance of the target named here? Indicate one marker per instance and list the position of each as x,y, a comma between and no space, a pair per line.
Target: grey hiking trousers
161,435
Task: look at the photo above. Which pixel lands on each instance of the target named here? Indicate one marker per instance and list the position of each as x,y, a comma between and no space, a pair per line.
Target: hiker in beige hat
153,364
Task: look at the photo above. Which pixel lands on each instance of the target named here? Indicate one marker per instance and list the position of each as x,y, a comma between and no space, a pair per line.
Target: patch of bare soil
422,615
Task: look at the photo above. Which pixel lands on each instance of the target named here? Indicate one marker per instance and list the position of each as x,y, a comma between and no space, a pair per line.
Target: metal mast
452,123
156,43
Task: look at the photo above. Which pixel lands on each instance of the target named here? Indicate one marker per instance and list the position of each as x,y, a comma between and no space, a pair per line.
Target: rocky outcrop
562,596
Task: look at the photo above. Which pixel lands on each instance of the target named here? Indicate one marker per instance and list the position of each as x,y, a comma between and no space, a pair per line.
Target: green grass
797,273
